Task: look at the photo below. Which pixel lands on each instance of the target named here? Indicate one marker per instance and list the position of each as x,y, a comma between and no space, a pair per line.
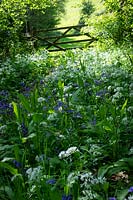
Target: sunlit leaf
124,105
8,167
15,108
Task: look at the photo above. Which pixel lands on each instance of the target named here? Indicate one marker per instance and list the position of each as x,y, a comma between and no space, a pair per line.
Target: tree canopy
14,15
114,24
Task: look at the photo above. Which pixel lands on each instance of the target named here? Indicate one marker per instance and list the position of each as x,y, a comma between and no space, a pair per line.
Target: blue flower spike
67,197
17,164
112,198
130,189
51,181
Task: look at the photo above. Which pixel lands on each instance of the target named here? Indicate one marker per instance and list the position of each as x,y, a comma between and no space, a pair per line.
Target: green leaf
15,109
123,107
24,139
60,84
122,194
123,164
54,161
76,96
8,167
6,147
55,195
106,187
103,170
6,159
8,191
107,128
37,117
128,162
24,102
16,152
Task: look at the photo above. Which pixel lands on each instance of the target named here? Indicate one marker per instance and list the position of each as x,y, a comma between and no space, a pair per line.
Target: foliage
66,125
114,24
48,18
14,15
86,11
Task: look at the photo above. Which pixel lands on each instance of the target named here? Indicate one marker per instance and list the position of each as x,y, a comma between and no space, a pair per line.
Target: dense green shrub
47,18
114,24
86,11
17,17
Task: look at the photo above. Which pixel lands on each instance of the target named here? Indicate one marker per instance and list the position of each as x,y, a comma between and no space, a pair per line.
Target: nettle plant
71,133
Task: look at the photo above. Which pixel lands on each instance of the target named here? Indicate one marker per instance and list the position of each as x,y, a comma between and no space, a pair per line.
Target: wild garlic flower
34,174
109,88
70,151
129,198
62,154
40,99
72,178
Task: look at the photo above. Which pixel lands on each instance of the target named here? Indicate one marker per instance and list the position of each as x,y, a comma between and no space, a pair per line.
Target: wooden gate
62,38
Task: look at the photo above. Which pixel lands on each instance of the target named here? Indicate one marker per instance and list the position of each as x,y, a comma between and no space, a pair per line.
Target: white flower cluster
39,158
89,178
95,150
129,198
68,152
88,181
34,173
72,178
40,99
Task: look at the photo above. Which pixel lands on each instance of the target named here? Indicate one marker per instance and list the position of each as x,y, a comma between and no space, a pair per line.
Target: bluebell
112,198
51,181
67,197
130,189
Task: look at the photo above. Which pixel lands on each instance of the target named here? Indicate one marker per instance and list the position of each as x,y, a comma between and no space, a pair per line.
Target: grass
73,12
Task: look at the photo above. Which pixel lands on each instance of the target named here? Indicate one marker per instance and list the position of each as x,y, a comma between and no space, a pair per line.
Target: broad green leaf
15,108
17,176
122,194
16,152
117,169
51,111
25,102
124,105
6,159
76,96
103,170
24,139
9,168
123,164
8,191
107,128
6,147
60,84
37,117
128,162
106,186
